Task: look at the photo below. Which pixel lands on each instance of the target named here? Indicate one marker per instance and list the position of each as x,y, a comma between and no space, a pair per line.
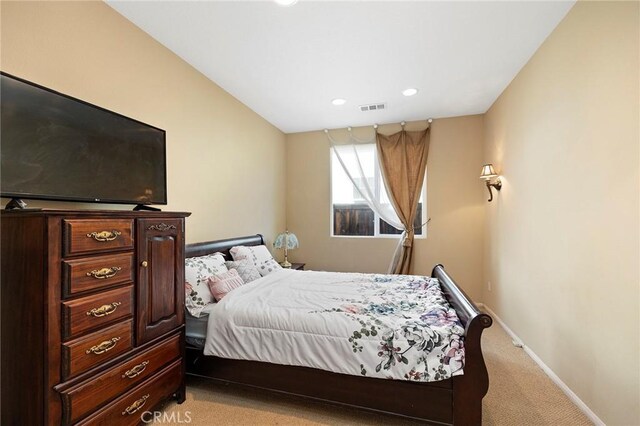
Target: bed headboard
222,246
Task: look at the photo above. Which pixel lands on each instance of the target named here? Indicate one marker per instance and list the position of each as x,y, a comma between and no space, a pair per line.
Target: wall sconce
487,174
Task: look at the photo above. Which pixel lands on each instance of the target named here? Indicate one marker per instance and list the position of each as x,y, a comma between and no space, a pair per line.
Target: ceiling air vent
372,107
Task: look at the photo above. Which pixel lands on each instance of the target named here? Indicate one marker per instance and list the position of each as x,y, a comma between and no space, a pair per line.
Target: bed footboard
470,388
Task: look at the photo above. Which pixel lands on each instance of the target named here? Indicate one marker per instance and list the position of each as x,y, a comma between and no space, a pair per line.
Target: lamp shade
286,240
488,172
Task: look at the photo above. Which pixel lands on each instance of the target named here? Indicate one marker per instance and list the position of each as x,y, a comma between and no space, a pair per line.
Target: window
350,214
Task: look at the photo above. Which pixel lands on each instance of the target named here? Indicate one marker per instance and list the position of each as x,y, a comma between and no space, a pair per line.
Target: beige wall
563,236
455,204
225,163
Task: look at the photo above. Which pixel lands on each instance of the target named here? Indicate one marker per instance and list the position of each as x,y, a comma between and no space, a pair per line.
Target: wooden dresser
92,315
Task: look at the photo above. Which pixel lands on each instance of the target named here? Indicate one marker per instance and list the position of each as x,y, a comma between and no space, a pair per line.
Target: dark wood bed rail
467,311
455,401
470,388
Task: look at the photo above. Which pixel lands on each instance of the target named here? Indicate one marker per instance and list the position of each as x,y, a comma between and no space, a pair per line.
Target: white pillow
260,257
246,269
196,272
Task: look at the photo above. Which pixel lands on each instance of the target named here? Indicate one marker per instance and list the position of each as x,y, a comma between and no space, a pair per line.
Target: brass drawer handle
103,347
104,310
104,235
103,273
135,406
136,371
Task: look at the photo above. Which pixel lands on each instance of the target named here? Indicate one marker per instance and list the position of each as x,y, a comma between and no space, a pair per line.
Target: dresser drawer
93,393
94,273
83,236
128,409
93,311
93,349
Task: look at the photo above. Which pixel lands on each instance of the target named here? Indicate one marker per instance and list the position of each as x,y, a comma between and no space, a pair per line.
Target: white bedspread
387,326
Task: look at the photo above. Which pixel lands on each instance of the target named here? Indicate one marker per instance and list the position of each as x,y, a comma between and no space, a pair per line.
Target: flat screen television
56,147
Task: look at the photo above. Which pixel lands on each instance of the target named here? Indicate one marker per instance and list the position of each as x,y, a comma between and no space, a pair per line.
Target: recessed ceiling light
410,92
286,2
339,101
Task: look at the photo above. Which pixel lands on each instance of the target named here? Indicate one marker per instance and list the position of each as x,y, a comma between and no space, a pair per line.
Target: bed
455,400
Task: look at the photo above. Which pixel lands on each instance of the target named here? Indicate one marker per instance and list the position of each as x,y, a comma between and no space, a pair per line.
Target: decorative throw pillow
246,269
222,284
259,255
268,266
196,272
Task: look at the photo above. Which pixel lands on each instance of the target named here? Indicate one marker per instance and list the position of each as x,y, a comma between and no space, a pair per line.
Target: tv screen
56,147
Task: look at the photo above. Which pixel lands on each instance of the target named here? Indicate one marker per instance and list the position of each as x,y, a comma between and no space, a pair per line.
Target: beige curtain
403,162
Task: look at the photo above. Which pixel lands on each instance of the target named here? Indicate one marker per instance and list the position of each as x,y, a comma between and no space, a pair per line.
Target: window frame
377,185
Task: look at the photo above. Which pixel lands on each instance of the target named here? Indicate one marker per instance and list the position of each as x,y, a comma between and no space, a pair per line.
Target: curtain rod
375,126
403,123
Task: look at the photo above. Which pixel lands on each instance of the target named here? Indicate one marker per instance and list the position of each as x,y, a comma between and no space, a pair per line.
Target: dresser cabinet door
160,277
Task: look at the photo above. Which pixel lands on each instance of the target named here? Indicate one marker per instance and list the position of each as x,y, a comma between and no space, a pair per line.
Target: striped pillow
222,284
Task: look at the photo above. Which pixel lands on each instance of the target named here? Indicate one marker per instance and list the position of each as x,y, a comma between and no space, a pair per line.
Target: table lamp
287,241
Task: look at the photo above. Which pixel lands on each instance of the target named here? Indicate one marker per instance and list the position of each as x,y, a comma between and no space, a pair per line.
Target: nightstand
298,266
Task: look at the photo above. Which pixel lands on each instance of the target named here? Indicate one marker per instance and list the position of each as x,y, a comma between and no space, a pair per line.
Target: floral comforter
386,326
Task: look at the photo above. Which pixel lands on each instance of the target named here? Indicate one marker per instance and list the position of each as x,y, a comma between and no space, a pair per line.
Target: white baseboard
554,378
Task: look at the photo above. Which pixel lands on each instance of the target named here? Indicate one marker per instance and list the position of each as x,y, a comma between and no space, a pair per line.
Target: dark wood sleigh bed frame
453,401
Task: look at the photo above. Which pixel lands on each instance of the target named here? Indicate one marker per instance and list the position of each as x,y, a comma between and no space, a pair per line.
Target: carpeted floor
519,394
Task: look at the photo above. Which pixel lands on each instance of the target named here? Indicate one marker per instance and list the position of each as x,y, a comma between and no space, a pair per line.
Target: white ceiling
288,63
